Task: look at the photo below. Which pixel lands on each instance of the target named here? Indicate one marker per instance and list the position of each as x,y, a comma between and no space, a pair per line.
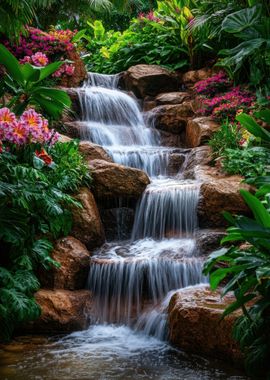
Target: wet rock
218,194
149,80
74,97
114,180
118,223
79,74
72,129
93,152
195,323
172,118
209,240
170,139
148,105
74,259
175,163
193,76
62,311
87,225
64,139
199,130
198,156
172,98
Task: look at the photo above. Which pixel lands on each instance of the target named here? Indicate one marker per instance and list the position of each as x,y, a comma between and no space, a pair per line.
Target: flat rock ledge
195,324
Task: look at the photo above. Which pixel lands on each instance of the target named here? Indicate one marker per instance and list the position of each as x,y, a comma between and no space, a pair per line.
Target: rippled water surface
105,353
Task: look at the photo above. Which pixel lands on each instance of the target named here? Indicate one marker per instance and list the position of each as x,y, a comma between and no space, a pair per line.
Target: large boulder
80,73
195,323
113,180
62,311
172,118
74,259
149,80
72,129
218,194
87,225
199,130
93,152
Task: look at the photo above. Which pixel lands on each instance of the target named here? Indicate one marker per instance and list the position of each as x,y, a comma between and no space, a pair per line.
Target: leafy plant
24,82
247,272
250,57
34,210
228,136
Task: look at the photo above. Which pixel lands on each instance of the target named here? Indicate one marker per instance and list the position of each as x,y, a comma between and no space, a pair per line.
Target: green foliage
248,162
24,83
254,128
145,41
34,210
248,275
228,136
250,57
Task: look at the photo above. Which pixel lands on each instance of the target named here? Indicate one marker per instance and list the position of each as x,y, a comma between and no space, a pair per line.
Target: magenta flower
39,59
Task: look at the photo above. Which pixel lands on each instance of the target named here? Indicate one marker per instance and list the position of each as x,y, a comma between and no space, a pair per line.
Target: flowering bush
40,48
212,85
31,127
150,16
227,105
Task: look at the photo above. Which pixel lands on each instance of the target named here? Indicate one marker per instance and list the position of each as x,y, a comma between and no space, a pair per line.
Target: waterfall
126,278
167,208
112,119
131,280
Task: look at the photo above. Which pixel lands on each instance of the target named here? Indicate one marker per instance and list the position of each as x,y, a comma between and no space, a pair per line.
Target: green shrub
34,211
228,136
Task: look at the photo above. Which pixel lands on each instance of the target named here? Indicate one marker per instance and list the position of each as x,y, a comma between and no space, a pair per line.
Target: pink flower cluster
65,69
53,43
148,16
212,85
38,59
228,104
31,127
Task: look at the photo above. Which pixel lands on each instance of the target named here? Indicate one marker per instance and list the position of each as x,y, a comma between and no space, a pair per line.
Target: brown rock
149,80
199,130
74,96
64,139
195,323
172,118
87,226
148,105
197,156
74,259
219,194
72,129
172,98
170,139
93,152
62,311
209,240
193,76
114,180
80,73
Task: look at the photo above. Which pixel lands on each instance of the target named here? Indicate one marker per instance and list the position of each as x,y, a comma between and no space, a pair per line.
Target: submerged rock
62,311
149,80
113,180
195,323
74,259
87,225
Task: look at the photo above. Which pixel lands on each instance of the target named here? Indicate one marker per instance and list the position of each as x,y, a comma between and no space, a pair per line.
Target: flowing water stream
132,281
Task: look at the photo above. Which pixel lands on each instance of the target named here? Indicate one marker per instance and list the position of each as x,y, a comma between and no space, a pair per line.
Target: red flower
43,155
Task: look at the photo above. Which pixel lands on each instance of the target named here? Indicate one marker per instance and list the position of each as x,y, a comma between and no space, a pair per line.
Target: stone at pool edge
63,311
195,324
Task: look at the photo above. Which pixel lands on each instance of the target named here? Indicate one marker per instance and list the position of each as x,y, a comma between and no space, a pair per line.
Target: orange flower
43,155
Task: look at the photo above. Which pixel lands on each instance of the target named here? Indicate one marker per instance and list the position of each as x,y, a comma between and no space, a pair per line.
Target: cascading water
129,278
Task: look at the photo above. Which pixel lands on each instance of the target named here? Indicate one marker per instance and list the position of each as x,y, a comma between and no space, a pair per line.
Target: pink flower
40,59
26,59
7,116
69,69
